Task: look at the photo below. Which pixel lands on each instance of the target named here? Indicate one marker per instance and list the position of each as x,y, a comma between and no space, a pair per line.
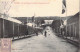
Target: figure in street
45,34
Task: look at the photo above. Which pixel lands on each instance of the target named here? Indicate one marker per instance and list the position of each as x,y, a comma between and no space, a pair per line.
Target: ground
40,43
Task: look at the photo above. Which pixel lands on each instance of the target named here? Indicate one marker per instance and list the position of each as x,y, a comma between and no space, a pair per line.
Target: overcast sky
27,8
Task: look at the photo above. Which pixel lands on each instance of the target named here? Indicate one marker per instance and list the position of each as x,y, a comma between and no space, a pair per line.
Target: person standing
37,33
27,32
45,34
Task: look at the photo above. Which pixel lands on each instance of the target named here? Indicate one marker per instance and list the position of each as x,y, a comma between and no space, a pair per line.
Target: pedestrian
27,32
37,33
45,34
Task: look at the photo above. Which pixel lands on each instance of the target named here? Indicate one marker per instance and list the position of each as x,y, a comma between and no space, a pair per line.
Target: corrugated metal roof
10,19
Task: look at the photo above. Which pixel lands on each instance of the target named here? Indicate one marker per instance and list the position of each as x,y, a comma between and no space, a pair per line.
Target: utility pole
4,14
3,20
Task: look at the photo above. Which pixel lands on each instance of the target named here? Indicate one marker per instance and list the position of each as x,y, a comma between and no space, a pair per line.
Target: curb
73,42
69,40
28,36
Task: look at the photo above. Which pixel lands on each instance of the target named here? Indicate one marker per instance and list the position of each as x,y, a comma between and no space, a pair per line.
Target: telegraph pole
64,8
66,19
4,15
3,20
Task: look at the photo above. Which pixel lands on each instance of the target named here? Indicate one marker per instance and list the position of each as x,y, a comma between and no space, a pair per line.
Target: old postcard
39,25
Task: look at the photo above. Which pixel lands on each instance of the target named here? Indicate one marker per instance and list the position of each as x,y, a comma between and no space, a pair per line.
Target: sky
29,8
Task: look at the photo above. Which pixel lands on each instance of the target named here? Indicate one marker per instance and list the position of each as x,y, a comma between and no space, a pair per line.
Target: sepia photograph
39,25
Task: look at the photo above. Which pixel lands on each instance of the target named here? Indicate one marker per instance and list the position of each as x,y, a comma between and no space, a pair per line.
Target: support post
3,30
79,25
13,30
18,30
79,31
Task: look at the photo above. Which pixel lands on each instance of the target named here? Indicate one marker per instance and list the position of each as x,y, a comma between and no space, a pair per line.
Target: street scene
39,26
40,43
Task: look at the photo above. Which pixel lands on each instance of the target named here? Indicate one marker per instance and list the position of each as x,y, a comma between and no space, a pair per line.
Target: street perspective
39,26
